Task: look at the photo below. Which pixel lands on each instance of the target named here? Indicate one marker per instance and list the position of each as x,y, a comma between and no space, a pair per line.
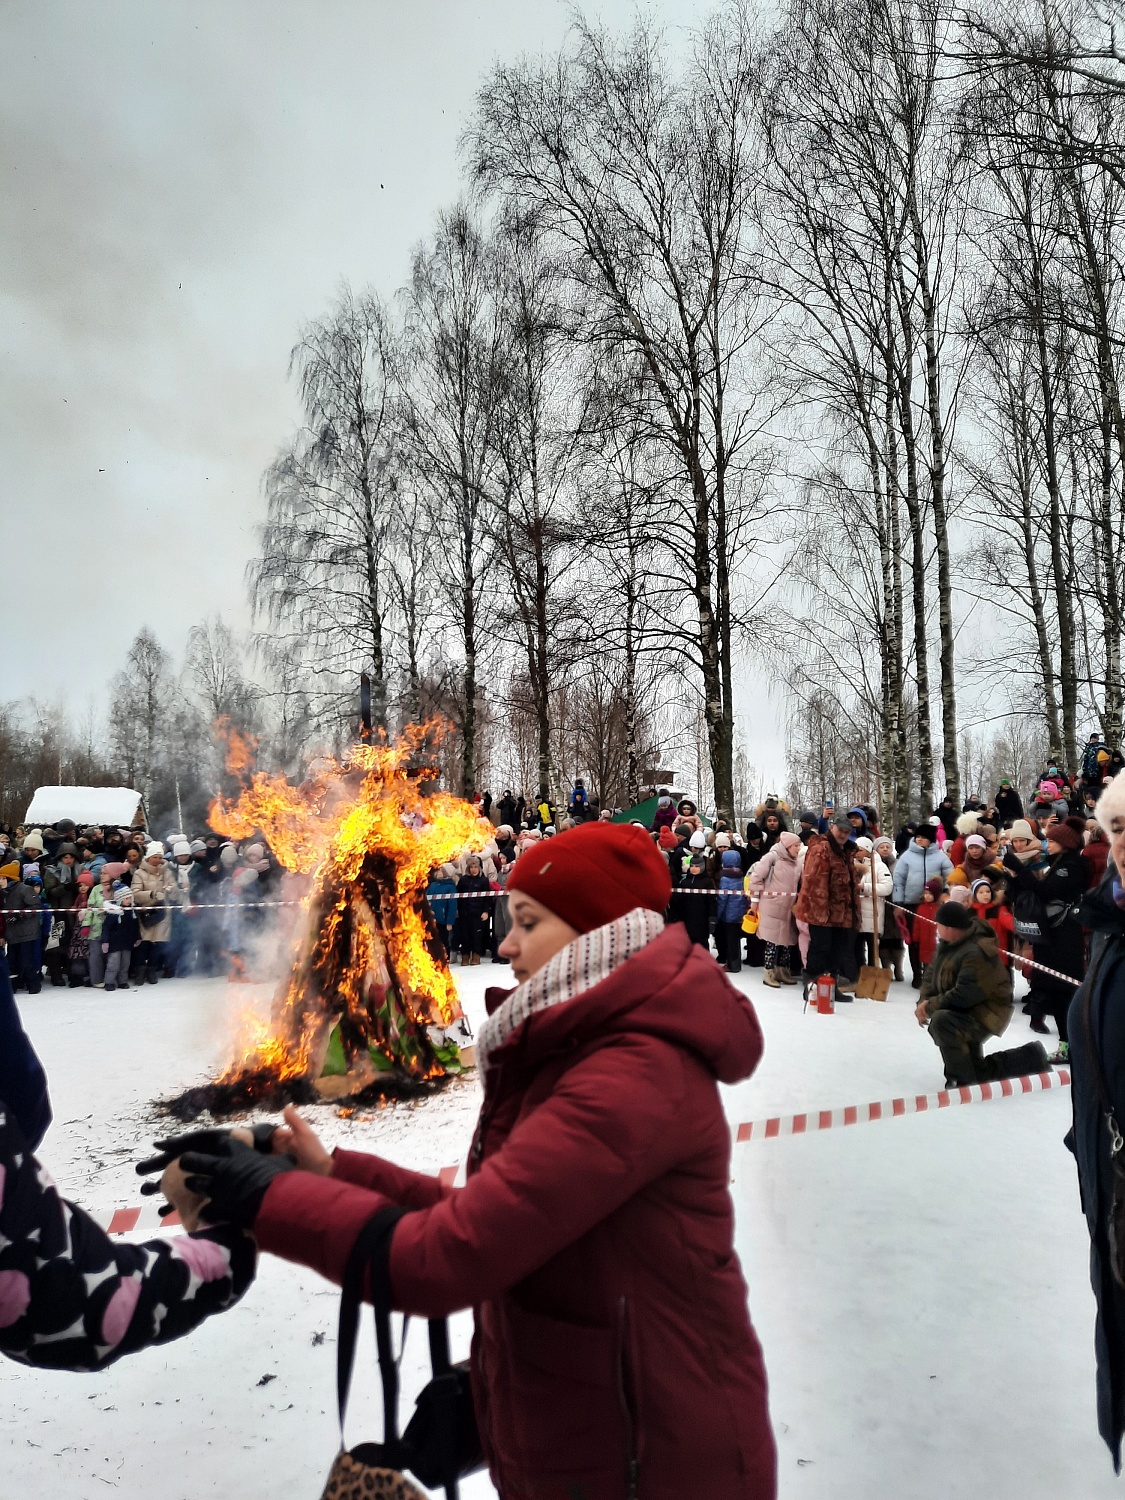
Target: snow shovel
874,981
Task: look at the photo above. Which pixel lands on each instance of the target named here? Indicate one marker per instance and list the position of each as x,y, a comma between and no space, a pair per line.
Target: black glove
235,1184
215,1142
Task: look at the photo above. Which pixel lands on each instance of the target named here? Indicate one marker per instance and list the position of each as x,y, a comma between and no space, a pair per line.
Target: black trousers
23,963
1064,950
831,951
728,940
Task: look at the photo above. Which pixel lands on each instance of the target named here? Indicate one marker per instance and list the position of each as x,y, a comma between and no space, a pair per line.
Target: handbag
1115,1225
440,1444
151,916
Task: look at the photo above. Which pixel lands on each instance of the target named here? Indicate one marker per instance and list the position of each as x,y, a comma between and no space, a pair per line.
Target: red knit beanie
593,874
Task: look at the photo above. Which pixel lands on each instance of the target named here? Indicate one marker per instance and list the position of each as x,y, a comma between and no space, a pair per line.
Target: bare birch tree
646,182
451,395
320,576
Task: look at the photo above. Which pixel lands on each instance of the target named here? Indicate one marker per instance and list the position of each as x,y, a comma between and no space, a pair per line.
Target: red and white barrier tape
1029,963
887,1109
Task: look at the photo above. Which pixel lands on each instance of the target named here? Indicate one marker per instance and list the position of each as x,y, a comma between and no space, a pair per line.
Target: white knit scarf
573,970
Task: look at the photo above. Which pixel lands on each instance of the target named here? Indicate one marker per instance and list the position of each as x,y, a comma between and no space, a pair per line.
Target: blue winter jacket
438,893
915,866
731,905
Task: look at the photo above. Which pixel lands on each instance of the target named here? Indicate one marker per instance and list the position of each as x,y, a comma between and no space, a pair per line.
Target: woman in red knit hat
594,1238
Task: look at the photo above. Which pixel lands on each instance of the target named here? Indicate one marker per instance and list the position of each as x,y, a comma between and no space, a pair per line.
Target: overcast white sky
183,185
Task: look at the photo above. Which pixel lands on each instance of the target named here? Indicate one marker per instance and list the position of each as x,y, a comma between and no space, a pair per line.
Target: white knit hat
698,840
181,846
1110,805
154,851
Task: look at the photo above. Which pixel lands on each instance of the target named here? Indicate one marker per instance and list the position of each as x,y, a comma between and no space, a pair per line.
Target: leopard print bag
353,1478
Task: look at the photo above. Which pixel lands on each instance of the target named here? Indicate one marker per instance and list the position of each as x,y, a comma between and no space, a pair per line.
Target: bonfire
369,1006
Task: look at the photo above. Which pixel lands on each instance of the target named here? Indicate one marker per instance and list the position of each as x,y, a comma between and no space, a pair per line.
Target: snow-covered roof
99,805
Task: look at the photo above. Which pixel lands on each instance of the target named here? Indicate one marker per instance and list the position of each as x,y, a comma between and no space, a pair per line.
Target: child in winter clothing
120,934
441,886
731,907
696,912
999,917
95,915
925,932
77,1300
79,949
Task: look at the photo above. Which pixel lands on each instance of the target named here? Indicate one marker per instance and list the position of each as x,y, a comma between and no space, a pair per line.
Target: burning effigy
369,1006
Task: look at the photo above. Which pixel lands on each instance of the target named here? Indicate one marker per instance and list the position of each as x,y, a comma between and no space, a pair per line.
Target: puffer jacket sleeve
399,1184
902,871
73,1299
583,1152
761,873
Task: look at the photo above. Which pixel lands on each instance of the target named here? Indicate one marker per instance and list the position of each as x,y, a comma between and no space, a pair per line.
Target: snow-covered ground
920,1285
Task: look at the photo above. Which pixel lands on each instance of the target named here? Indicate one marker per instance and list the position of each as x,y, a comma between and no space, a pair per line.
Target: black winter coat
479,899
697,913
1009,804
23,913
1060,885
1097,1018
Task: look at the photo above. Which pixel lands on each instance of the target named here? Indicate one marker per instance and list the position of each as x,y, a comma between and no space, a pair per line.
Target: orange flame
365,814
242,748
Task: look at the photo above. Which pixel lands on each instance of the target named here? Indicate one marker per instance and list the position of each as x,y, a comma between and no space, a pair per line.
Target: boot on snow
150,976
786,975
1020,1062
771,979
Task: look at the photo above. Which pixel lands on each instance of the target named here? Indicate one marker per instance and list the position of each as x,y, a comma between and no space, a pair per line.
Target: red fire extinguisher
826,994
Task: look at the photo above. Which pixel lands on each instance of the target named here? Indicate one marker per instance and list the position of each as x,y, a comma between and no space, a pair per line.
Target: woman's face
473,867
1117,843
537,934
1052,847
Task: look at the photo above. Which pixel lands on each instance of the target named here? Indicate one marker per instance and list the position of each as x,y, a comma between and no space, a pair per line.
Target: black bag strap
371,1251
439,1346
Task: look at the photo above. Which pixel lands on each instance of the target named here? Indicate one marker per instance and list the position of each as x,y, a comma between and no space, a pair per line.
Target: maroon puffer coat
614,1354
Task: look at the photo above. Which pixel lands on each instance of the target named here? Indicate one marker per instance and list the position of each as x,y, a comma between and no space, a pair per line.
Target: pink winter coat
774,881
